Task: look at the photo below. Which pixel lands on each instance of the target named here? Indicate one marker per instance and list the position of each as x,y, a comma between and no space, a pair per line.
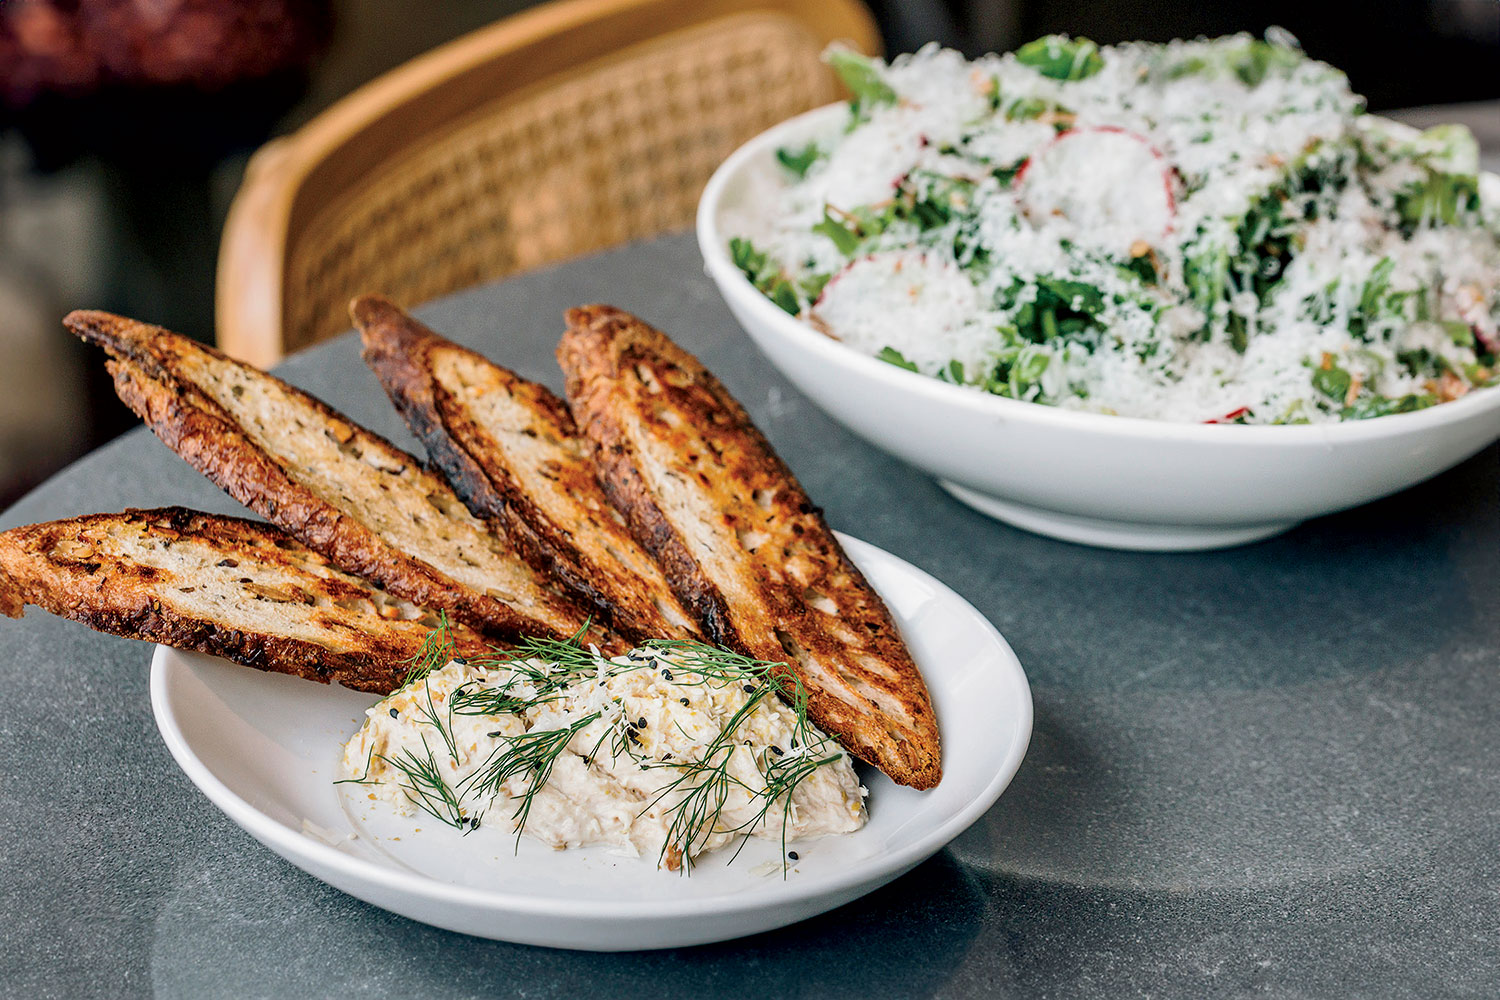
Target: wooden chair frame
292,177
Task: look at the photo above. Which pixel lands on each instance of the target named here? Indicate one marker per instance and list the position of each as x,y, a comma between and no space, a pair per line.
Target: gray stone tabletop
1272,770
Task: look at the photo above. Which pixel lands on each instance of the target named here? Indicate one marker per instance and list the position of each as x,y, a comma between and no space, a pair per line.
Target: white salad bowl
1120,482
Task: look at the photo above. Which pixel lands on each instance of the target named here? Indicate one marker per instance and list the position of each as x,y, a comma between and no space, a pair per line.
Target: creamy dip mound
661,753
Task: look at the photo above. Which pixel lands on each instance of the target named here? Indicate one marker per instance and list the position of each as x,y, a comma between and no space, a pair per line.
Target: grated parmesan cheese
1191,231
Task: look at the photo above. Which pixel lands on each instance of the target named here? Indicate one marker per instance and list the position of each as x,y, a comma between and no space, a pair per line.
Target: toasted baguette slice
219,585
509,449
340,489
740,540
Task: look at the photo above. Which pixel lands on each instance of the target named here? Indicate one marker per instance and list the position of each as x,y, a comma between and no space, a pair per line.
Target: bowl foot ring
1129,535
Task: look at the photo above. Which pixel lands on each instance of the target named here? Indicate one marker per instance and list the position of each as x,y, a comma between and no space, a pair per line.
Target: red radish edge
919,254
1168,170
1230,416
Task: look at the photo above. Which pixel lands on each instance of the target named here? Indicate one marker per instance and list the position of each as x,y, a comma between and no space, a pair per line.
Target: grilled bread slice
739,539
509,449
343,491
221,585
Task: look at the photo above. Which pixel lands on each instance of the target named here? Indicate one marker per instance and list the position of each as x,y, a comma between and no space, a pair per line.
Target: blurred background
126,125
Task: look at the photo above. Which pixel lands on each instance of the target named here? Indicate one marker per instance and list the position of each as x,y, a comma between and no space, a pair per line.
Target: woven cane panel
615,152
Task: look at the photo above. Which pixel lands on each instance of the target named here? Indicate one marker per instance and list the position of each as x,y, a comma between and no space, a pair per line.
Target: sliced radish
868,165
1102,186
909,301
901,279
1475,311
1229,417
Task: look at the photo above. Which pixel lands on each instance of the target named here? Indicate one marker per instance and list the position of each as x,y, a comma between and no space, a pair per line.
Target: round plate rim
295,846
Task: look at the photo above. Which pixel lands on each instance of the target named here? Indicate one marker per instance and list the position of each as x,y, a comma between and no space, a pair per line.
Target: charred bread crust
148,365
217,448
627,493
742,544
498,482
218,585
396,348
397,353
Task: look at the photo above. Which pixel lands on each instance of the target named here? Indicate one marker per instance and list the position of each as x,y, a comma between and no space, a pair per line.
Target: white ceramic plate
265,749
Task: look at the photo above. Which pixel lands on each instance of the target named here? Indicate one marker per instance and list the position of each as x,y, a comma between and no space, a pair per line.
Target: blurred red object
75,48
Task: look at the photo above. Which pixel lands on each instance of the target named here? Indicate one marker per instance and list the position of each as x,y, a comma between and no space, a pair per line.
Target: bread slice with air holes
339,489
509,449
221,585
742,544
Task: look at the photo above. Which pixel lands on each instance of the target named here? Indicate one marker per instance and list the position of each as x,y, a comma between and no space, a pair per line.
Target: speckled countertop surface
1267,771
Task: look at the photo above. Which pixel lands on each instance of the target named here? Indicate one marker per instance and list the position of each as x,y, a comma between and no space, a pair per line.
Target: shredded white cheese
1193,231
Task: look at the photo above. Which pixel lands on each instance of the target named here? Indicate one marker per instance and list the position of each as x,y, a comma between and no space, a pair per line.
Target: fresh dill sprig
428,714
704,785
783,775
539,671
363,779
532,753
527,683
566,655
547,667
489,700
425,786
435,652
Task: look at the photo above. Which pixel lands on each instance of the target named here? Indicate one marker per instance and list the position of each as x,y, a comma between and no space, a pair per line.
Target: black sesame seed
683,700
496,735
395,714
792,855
474,823
640,723
666,756
461,661
749,688
776,750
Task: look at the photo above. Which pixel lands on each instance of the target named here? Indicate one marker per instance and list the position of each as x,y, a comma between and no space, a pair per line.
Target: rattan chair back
574,126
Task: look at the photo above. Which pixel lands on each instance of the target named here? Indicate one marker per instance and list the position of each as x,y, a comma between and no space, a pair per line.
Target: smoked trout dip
661,753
